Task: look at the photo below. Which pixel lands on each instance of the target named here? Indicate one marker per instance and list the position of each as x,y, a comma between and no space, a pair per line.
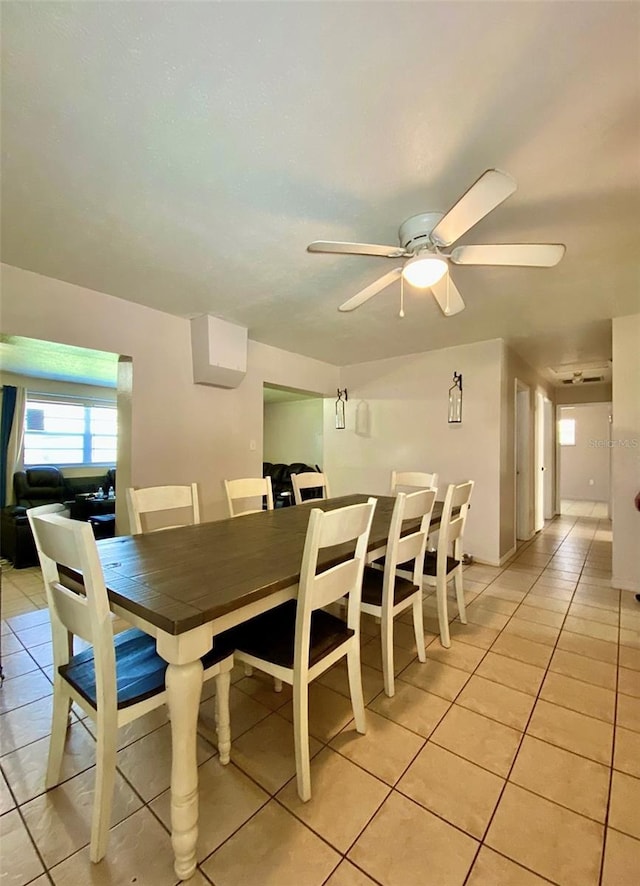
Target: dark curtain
9,394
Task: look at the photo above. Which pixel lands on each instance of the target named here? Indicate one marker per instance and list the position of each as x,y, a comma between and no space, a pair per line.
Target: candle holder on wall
340,418
455,400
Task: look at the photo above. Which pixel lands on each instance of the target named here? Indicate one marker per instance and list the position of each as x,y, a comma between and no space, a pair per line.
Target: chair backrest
153,499
410,546
249,487
318,589
310,480
454,517
70,543
407,480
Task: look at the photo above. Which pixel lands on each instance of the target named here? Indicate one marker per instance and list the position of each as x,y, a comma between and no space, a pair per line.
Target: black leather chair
39,485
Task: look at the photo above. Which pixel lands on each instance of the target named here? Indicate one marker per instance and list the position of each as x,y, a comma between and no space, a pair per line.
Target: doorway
522,461
544,437
584,459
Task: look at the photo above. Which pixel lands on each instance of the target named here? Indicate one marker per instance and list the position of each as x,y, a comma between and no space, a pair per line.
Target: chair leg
462,608
59,724
223,719
301,737
355,688
277,685
418,628
386,636
248,671
443,620
105,780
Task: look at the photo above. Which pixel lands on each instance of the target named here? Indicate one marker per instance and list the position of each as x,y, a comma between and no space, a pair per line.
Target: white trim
622,584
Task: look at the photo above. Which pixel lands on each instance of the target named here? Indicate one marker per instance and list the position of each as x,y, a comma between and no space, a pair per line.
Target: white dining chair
299,640
248,488
116,679
310,480
385,594
439,567
155,499
405,481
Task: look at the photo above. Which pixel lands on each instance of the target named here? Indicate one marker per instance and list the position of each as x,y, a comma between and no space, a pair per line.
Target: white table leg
184,687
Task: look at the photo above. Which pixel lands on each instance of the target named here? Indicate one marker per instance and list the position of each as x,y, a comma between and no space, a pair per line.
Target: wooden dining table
186,585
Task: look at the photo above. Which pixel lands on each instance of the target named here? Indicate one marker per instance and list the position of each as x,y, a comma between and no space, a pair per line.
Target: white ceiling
182,155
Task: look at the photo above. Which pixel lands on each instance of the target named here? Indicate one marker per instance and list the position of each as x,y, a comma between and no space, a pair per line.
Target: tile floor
511,759
572,508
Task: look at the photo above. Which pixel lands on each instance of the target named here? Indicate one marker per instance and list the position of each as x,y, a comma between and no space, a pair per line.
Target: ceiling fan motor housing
414,233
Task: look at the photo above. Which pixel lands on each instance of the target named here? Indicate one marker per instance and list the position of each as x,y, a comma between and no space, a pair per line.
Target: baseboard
625,585
508,555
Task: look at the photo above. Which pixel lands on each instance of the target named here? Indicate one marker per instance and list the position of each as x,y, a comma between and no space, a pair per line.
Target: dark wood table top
181,578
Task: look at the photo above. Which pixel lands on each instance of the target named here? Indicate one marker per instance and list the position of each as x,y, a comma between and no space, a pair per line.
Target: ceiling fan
424,237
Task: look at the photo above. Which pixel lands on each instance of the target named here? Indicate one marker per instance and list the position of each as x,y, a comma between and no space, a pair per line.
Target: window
567,431
69,431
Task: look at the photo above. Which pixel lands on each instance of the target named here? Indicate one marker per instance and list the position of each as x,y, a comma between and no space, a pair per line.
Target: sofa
281,480
35,486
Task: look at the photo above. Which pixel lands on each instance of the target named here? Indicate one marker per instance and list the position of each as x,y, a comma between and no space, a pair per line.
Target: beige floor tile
147,763
18,691
473,634
628,713
626,754
602,650
42,654
371,655
483,741
551,604
337,678
34,635
601,598
259,687
139,852
594,613
529,630
16,664
630,638
266,752
521,649
459,655
385,750
6,800
548,839
25,724
344,798
19,862
60,820
486,617
436,677
273,849
404,636
11,644
453,788
491,869
413,708
548,580
591,629
624,808
480,572
578,696
404,841
621,860
589,670
329,712
29,620
491,599
515,580
552,592
511,672
572,731
508,706
528,611
136,729
630,658
565,778
25,768
227,800
347,874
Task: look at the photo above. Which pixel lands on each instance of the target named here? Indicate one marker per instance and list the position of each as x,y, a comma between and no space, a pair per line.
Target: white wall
584,468
396,417
293,431
180,432
625,453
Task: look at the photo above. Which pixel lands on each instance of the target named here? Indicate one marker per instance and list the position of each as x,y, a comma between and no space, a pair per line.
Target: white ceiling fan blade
489,191
371,290
355,248
533,255
446,294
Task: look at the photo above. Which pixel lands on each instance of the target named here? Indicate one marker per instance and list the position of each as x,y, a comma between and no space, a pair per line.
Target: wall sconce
455,400
342,399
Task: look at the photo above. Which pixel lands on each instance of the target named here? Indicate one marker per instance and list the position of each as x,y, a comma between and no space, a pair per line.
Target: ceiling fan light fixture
424,270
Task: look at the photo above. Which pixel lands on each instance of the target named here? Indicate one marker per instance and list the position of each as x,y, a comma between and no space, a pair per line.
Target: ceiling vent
219,352
578,379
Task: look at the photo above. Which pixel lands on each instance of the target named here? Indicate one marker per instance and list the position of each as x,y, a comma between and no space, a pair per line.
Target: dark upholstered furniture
41,485
281,480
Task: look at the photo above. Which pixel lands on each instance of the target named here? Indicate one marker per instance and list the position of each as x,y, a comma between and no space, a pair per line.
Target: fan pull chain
401,314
